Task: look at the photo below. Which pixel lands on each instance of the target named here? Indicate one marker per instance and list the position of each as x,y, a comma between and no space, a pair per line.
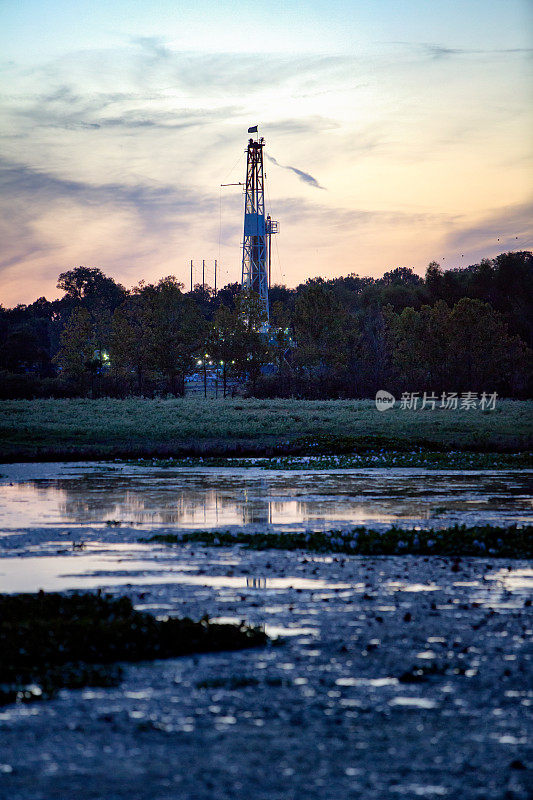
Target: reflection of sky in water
207,498
124,564
140,564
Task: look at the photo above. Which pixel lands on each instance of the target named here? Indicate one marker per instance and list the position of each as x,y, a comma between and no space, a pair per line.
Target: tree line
467,329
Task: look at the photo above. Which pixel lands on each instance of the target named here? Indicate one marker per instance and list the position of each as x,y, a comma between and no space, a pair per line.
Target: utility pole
203,274
215,277
191,274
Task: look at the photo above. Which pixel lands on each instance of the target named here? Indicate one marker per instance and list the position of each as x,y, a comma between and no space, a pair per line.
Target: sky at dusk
397,132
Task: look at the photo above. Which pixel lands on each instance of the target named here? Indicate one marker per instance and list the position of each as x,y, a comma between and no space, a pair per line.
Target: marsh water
79,525
125,565
201,498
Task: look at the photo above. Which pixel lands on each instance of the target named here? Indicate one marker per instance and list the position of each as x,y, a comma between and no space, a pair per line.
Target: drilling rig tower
258,229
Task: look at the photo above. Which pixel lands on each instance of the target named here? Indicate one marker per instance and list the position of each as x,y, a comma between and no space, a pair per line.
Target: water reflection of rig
256,583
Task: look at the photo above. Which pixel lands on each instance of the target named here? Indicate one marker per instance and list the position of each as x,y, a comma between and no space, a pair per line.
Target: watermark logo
452,401
384,400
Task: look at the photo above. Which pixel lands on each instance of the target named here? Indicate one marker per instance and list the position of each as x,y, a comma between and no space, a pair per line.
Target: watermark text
452,401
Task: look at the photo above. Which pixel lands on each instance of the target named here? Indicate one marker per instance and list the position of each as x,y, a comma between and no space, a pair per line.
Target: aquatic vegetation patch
372,458
50,641
460,540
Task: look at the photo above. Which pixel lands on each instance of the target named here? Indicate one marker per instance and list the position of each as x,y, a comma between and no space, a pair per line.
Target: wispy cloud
49,218
317,215
438,52
149,63
160,88
149,199
303,176
309,125
506,228
71,109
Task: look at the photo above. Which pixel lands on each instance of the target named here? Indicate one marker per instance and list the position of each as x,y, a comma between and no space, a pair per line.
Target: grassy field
91,429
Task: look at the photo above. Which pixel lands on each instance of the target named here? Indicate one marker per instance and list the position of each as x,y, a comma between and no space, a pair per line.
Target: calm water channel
58,495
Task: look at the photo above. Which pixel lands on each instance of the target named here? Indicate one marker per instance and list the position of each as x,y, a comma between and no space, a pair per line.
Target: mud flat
386,676
405,676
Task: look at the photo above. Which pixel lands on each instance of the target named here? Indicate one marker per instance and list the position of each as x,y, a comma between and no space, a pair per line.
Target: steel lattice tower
257,229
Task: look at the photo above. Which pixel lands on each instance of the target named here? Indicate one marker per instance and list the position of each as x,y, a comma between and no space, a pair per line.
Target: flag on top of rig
253,130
